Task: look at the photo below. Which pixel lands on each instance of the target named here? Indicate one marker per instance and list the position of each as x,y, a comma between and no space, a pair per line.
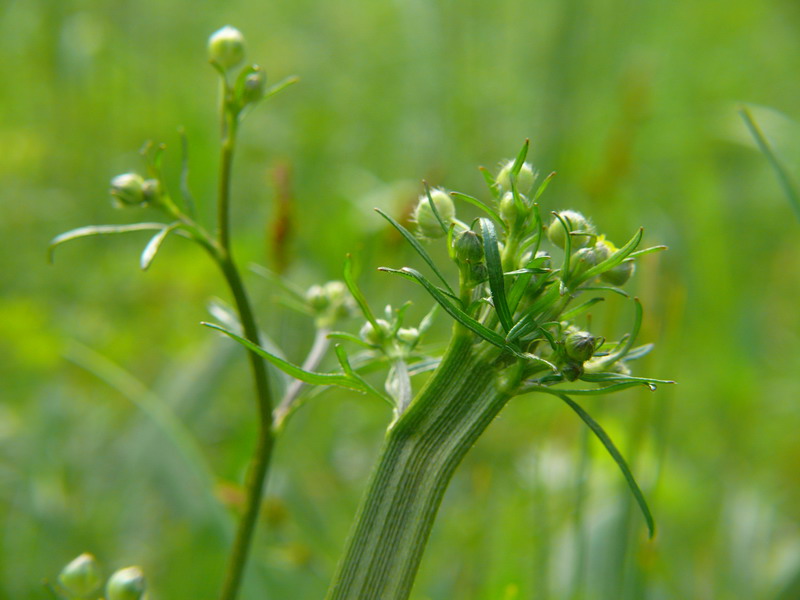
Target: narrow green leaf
411,239
597,391
528,323
494,266
341,355
479,203
348,337
543,186
91,230
619,378
434,210
784,179
454,311
650,250
613,260
290,369
280,86
490,183
573,312
639,352
526,271
520,159
567,245
615,454
186,193
350,281
154,245
606,288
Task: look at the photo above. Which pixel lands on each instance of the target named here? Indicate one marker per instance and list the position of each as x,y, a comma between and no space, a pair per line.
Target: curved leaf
459,315
290,369
350,281
91,230
479,203
154,245
417,246
615,454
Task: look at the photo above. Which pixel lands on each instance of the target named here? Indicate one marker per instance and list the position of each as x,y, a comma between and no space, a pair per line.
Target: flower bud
151,190
580,345
575,222
408,335
226,47
317,299
126,584
509,211
468,247
375,337
128,189
253,85
525,177
82,576
427,223
478,273
619,274
571,371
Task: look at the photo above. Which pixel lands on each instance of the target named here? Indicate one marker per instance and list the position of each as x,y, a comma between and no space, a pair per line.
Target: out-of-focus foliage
634,104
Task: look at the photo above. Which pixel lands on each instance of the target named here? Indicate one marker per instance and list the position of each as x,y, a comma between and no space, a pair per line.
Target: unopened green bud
253,84
580,345
469,247
317,299
226,47
126,584
426,220
478,273
575,222
571,371
509,211
82,576
619,274
151,189
128,189
408,335
525,178
375,337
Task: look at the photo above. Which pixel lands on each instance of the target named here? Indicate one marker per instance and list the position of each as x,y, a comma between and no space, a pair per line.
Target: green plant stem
263,453
262,456
229,130
419,456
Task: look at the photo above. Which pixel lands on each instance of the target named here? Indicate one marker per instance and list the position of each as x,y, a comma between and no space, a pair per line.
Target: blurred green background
633,103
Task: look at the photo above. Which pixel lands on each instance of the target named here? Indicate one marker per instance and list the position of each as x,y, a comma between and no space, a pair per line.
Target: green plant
515,332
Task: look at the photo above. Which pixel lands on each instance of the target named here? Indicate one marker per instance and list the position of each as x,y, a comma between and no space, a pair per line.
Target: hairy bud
576,222
427,223
468,247
525,178
128,189
126,584
81,576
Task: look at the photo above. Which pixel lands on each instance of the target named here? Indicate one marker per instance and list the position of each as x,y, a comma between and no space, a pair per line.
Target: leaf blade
494,266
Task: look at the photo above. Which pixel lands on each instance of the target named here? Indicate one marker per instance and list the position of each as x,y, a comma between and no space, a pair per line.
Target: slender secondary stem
262,455
419,457
229,130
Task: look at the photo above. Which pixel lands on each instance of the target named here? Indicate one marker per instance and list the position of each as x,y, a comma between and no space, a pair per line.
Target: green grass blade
290,369
494,266
520,159
615,454
454,311
784,179
650,250
574,312
91,230
418,247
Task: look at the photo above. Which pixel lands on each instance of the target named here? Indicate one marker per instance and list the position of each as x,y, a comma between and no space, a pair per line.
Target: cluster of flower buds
82,578
330,302
589,249
226,51
390,336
